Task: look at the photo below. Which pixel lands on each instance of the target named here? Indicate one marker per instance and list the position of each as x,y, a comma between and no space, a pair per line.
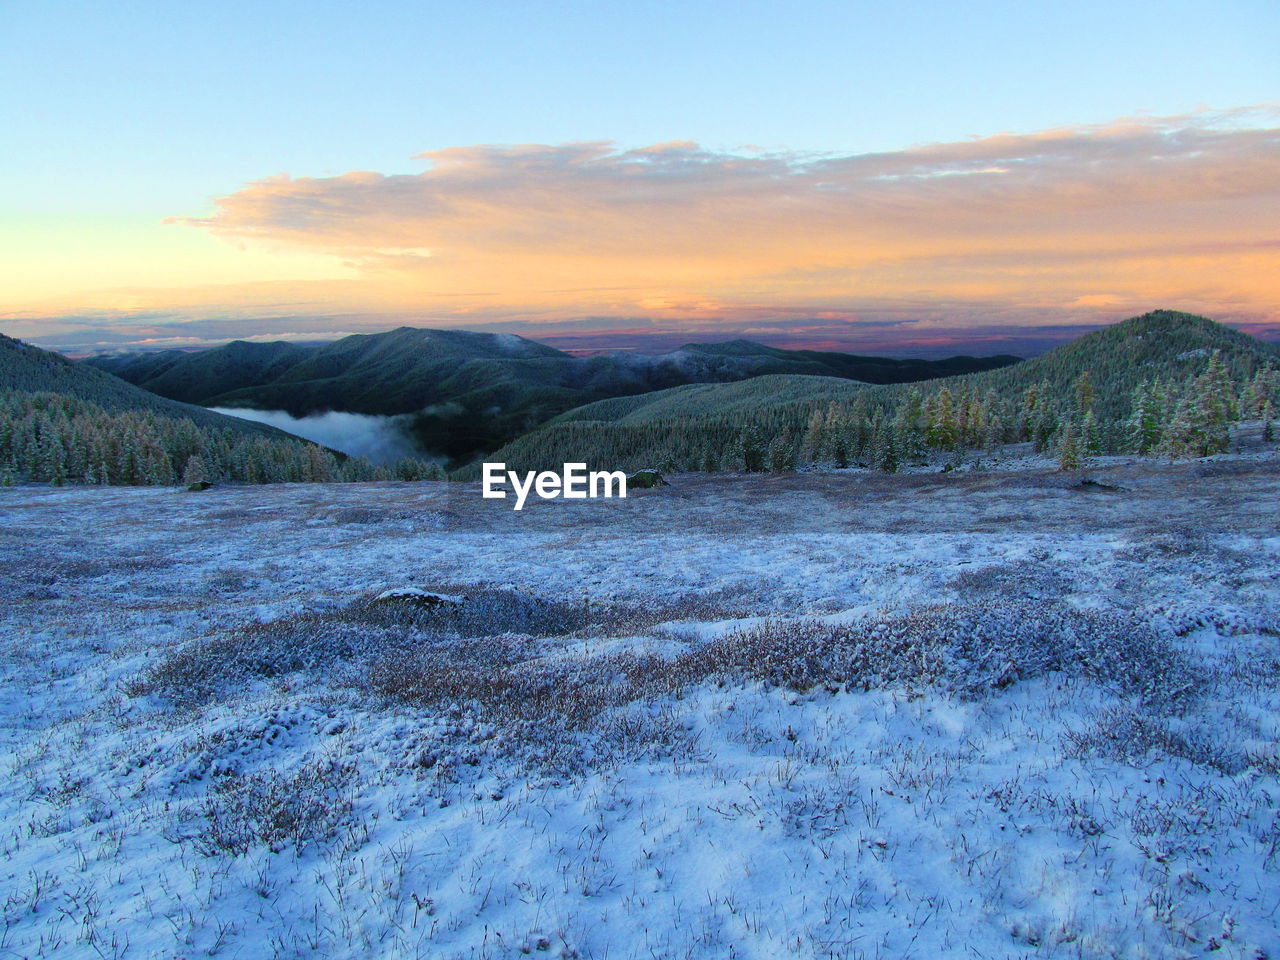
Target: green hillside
716,399
28,369
1161,344
64,422
706,426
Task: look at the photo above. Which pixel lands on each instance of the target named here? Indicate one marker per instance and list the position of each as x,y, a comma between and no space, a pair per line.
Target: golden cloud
1180,211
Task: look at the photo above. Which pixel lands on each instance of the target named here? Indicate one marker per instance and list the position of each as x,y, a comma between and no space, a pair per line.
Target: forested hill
1152,359
1163,344
742,399
28,369
471,392
64,422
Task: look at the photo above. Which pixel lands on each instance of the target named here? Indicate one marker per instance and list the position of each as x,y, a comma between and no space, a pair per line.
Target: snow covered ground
992,714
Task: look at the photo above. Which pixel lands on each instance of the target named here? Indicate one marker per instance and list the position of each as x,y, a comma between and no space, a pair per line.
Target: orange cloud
1182,211
1066,225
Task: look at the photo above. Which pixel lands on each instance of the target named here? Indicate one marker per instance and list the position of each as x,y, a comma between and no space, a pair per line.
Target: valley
460,394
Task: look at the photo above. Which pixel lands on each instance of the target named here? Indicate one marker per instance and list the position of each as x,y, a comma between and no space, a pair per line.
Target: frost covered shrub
1225,619
573,691
347,640
274,809
966,647
201,669
364,515
1022,579
1132,736
406,649
433,648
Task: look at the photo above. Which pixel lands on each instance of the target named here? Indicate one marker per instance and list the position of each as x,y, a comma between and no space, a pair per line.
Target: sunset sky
906,176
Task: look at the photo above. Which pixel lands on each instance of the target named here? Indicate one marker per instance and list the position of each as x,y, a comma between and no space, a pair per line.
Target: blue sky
132,107
118,115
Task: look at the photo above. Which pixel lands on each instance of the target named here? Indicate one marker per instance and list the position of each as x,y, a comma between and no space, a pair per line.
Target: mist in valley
379,439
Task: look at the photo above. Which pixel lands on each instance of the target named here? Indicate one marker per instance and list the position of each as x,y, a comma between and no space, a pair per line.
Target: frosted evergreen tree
752,451
1069,457
1147,423
194,474
884,448
1046,426
813,445
906,423
1090,435
943,429
1084,394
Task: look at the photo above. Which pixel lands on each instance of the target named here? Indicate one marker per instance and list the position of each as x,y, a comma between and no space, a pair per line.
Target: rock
645,479
1097,486
420,598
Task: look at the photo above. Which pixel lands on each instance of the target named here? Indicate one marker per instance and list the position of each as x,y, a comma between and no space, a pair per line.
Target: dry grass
273,809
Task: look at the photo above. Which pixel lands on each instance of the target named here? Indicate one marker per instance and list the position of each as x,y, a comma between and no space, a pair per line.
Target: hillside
686,424
28,369
751,716
716,399
471,392
1160,344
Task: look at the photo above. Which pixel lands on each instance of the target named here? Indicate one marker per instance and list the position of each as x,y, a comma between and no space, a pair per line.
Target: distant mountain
471,392
31,370
629,432
734,356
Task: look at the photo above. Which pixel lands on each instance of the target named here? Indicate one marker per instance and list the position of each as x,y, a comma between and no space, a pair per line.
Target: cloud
1073,225
1138,212
377,439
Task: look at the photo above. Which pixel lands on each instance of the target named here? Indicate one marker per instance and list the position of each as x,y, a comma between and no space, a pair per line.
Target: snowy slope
218,741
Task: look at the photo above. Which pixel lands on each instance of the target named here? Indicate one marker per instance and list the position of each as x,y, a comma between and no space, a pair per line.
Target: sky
913,174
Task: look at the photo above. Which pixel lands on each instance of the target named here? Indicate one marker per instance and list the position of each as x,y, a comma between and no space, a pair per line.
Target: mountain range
508,398
467,393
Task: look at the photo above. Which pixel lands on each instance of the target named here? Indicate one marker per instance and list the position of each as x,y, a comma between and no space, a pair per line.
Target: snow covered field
979,715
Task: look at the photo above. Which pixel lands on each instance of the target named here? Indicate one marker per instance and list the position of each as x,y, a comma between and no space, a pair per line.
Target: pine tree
1028,410
1090,435
1084,395
1147,424
781,456
884,447
907,418
751,449
943,429
993,437
1046,426
1069,450
814,442
194,474
1219,394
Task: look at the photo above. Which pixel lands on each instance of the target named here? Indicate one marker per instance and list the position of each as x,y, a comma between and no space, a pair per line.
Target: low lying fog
377,439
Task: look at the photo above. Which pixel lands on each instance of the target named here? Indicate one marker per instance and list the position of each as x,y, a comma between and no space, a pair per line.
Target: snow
731,817
396,593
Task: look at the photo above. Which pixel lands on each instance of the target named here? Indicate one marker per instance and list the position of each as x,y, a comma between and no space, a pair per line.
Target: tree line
58,439
889,429
1188,419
